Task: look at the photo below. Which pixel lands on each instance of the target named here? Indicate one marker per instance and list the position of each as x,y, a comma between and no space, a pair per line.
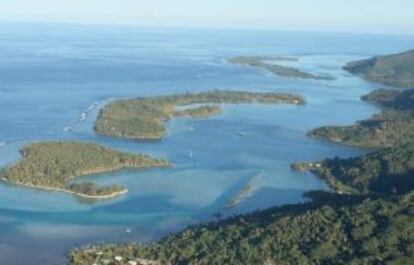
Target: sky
376,16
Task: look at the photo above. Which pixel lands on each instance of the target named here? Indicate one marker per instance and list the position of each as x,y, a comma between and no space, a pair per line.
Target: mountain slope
394,70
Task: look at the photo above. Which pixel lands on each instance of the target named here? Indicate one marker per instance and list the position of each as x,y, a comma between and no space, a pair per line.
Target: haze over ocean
55,77
369,16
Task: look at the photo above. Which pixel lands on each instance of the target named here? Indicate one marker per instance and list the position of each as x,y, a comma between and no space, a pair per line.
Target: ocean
54,78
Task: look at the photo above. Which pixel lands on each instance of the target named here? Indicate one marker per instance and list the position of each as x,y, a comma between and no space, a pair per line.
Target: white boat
241,134
67,129
191,154
83,116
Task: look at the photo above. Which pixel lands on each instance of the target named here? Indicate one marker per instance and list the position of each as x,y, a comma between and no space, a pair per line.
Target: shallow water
55,78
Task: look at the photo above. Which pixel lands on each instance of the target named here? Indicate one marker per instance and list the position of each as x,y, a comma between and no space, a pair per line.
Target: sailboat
192,128
191,154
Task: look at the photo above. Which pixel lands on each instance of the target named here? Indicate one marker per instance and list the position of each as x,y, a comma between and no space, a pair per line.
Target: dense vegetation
395,70
388,170
198,112
144,118
330,231
393,126
54,165
263,63
369,221
392,99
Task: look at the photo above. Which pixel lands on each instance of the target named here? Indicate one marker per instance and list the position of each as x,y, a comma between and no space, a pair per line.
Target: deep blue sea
55,78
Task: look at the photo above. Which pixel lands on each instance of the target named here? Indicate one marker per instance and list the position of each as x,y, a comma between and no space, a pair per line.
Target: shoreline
60,183
161,136
155,111
84,174
45,188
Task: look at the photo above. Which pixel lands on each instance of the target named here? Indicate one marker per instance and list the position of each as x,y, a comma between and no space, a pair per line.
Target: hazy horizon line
206,27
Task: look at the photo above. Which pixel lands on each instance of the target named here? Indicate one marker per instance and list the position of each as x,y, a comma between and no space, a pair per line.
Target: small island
394,70
144,118
267,64
55,165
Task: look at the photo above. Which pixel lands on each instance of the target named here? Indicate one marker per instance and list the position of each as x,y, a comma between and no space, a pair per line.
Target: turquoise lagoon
55,78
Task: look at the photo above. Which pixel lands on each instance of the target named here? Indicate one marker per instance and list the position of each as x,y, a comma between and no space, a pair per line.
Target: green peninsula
55,165
388,170
395,70
265,63
144,118
393,126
